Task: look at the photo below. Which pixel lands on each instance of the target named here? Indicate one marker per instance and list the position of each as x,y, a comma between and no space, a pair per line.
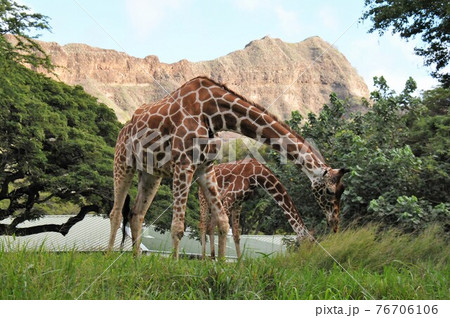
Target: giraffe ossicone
159,141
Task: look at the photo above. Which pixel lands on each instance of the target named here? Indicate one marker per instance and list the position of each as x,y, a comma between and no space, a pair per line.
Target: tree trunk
58,228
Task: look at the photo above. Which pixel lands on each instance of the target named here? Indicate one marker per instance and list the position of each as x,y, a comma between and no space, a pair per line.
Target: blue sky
202,30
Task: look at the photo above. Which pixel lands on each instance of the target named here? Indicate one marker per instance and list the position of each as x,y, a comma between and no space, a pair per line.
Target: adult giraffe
236,182
162,139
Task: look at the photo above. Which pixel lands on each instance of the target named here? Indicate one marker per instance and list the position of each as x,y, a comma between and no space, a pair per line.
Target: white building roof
90,234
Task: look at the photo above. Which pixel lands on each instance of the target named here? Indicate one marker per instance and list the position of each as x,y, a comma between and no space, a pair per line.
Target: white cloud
146,15
328,18
397,81
391,57
288,20
251,5
405,48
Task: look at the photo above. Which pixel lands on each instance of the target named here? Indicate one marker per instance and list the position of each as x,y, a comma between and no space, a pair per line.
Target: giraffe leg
123,177
182,179
235,214
207,229
208,183
203,223
147,187
211,226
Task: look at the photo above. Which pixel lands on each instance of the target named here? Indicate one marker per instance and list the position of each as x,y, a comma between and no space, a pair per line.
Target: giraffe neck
293,217
275,188
227,111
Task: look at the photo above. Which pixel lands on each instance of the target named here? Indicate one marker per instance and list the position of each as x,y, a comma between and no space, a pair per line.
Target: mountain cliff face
278,75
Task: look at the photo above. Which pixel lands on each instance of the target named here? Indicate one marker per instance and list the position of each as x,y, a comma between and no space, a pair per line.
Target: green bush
397,150
409,213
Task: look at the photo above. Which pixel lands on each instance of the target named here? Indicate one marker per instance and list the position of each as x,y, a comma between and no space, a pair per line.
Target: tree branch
64,228
47,198
10,178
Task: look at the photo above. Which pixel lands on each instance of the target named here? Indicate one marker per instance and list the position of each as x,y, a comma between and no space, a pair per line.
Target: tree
18,27
429,139
56,147
397,152
57,141
428,18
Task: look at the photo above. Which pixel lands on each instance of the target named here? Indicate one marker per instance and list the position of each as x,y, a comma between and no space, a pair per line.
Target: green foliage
160,212
409,19
388,265
19,24
237,149
57,145
410,213
397,150
257,215
56,150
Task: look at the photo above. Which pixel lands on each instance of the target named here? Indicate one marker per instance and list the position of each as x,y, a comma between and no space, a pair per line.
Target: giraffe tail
125,218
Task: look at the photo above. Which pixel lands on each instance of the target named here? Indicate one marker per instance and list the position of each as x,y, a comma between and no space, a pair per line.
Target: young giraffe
161,140
237,181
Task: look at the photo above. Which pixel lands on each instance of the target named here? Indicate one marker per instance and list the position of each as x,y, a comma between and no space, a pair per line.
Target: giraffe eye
329,192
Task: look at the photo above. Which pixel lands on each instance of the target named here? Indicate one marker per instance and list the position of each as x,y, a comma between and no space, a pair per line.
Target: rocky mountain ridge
278,75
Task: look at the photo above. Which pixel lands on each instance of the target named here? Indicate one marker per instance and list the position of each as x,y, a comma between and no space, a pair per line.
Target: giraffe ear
343,171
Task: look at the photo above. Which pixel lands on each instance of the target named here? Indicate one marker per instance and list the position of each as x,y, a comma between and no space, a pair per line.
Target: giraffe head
328,189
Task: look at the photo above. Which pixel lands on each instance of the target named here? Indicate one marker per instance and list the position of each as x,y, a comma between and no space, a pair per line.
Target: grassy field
382,266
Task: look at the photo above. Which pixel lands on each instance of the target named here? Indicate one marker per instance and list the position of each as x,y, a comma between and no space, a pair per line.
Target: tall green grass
385,265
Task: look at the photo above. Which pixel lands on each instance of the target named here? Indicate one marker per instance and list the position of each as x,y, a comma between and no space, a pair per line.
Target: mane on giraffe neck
264,110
